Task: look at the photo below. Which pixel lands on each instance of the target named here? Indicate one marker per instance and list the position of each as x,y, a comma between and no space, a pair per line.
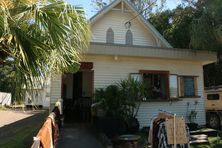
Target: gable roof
143,20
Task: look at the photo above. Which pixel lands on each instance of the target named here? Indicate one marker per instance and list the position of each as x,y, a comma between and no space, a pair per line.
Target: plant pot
192,126
111,126
133,125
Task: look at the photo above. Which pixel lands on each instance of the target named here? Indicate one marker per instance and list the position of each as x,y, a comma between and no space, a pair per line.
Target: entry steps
201,136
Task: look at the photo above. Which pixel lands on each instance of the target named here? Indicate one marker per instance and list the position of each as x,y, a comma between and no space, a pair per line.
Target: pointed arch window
129,38
110,36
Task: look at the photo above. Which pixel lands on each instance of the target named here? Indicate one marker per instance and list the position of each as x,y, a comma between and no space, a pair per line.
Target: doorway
77,92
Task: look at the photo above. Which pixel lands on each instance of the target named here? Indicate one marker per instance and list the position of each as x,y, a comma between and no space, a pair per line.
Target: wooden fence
48,134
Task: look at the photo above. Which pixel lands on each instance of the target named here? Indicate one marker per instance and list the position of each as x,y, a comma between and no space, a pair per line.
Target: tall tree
206,34
197,26
206,28
174,25
40,37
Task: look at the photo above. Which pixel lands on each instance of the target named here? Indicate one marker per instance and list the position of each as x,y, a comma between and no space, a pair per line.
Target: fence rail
47,136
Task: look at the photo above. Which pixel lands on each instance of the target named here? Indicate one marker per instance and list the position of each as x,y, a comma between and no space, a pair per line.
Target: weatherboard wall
116,20
109,70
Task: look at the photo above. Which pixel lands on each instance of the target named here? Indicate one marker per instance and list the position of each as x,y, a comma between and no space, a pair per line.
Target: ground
78,136
17,128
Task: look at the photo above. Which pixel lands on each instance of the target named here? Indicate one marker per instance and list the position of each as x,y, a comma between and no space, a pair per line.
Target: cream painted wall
107,71
116,20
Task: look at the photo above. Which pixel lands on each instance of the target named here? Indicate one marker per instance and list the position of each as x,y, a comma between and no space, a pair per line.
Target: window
188,86
156,84
129,38
136,76
110,36
213,97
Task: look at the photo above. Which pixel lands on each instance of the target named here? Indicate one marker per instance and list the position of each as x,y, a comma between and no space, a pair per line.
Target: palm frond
42,37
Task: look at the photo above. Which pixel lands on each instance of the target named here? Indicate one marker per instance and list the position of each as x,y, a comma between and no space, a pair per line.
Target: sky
89,9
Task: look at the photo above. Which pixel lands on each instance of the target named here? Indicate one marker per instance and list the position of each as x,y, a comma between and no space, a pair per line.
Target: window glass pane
136,76
189,86
129,38
155,85
213,97
110,36
173,86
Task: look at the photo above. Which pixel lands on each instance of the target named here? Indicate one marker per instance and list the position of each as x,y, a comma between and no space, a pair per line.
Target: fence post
36,142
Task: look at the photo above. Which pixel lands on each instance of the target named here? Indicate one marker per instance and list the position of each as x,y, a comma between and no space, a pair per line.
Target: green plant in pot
121,101
192,117
113,123
132,91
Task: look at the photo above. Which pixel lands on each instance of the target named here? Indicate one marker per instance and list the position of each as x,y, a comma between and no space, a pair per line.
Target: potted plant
121,102
192,117
133,92
112,123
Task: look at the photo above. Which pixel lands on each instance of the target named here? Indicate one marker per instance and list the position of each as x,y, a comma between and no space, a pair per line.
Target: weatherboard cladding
56,82
116,21
108,70
112,63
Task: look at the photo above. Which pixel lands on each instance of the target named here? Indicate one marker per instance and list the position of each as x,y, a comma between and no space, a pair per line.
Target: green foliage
7,75
144,7
203,35
110,101
41,37
174,25
121,100
132,91
196,26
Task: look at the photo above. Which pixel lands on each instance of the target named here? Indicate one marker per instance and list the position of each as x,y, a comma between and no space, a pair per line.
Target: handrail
48,134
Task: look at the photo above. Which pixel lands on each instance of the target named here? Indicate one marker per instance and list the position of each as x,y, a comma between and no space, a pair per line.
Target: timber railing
47,136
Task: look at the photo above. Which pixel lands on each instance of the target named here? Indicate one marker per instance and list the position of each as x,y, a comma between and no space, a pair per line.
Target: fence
48,134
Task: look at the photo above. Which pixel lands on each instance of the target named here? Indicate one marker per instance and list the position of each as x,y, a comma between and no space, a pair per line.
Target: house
123,45
39,96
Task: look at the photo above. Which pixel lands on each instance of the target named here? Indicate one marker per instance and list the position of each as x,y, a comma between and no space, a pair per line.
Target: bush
121,101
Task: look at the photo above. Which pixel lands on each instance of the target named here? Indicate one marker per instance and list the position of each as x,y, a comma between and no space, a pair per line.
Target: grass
2,108
214,142
22,139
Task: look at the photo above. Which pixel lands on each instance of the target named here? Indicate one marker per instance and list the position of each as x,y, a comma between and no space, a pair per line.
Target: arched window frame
129,37
110,36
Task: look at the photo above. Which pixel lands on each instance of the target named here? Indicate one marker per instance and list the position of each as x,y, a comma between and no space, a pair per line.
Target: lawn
214,142
2,107
23,138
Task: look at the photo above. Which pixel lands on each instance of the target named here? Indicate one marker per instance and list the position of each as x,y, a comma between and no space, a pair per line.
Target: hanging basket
218,32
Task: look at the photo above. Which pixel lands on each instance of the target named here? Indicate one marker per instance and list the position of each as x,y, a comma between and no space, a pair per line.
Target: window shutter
181,90
195,86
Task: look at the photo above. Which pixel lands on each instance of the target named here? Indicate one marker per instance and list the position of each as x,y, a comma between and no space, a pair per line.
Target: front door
77,95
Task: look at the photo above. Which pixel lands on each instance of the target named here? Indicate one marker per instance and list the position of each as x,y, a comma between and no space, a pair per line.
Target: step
207,131
199,139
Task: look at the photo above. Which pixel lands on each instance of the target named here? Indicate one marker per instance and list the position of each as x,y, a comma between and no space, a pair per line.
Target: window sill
188,97
162,100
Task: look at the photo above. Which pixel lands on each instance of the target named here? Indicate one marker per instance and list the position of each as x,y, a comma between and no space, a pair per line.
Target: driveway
77,136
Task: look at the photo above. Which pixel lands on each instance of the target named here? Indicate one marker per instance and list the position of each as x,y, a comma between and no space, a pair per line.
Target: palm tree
40,37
